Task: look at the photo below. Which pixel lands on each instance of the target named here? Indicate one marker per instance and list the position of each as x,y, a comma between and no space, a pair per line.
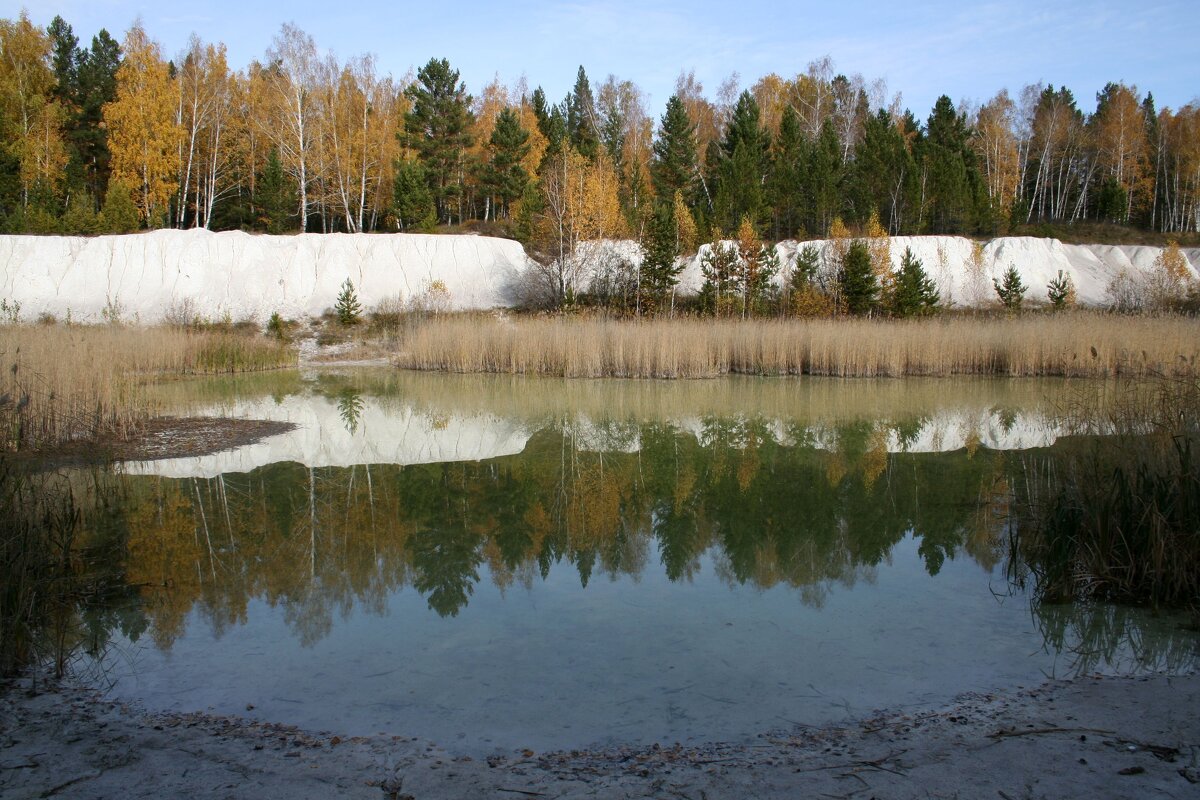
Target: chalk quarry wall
245,276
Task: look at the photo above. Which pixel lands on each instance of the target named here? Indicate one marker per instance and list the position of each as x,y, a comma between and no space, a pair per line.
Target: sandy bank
1110,738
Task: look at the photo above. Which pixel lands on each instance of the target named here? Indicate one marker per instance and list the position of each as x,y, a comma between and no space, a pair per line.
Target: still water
495,562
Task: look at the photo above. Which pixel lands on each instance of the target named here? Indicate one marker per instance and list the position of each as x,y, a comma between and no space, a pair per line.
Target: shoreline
1091,736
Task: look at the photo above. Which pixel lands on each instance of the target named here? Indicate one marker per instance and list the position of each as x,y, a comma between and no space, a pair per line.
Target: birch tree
292,128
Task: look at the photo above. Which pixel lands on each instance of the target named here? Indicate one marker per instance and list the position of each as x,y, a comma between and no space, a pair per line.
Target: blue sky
968,51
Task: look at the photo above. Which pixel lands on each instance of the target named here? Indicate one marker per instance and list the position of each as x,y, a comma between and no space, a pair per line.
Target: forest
117,136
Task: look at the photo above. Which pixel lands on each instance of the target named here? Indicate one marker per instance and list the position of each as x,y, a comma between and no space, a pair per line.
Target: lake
493,562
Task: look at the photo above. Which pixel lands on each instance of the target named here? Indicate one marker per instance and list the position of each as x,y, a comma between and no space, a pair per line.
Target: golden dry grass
61,384
1074,345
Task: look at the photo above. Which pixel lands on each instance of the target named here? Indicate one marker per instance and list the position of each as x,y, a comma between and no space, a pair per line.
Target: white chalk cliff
245,276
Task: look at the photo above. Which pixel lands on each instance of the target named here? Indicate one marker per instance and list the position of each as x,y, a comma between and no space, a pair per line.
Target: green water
494,563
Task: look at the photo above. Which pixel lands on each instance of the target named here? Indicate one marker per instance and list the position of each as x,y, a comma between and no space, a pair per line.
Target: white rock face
949,261
145,276
142,276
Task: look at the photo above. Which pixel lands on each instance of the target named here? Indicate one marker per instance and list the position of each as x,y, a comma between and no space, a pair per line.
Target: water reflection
780,505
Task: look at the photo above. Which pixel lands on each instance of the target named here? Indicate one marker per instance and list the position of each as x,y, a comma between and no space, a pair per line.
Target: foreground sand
1090,737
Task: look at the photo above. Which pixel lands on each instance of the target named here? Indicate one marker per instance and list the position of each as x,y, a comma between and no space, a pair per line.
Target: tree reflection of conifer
350,406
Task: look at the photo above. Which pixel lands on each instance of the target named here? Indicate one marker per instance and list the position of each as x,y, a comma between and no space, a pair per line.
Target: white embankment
243,276
150,276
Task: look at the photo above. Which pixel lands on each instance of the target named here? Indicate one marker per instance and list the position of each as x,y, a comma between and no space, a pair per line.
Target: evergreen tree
804,270
412,201
1011,291
860,287
738,175
660,270
582,124
719,266
951,177
88,132
503,176
785,187
914,292
438,127
883,169
347,307
81,218
823,188
120,213
674,167
275,199
1061,291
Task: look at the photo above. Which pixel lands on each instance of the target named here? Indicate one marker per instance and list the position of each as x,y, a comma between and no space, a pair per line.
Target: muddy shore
1090,737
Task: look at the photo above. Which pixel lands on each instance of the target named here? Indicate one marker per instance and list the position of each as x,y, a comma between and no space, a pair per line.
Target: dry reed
63,384
1069,345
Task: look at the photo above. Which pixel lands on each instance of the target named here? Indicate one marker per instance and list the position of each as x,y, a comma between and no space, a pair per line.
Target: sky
922,50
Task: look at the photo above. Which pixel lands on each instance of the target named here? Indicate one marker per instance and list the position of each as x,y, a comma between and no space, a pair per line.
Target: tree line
116,137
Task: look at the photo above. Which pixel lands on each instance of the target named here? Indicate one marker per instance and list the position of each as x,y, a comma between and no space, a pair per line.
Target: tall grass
1083,345
1118,517
61,384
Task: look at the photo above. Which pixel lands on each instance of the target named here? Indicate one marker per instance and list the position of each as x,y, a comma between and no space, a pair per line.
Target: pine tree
347,307
1061,291
1011,291
719,266
860,287
504,176
915,293
438,127
674,167
660,270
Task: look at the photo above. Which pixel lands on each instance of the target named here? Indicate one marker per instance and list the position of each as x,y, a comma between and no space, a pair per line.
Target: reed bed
62,384
1068,345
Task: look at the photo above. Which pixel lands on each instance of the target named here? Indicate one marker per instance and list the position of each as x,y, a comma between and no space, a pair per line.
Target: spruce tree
952,177
785,186
274,197
660,270
743,165
823,189
860,287
915,293
674,167
97,87
582,123
504,176
438,127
